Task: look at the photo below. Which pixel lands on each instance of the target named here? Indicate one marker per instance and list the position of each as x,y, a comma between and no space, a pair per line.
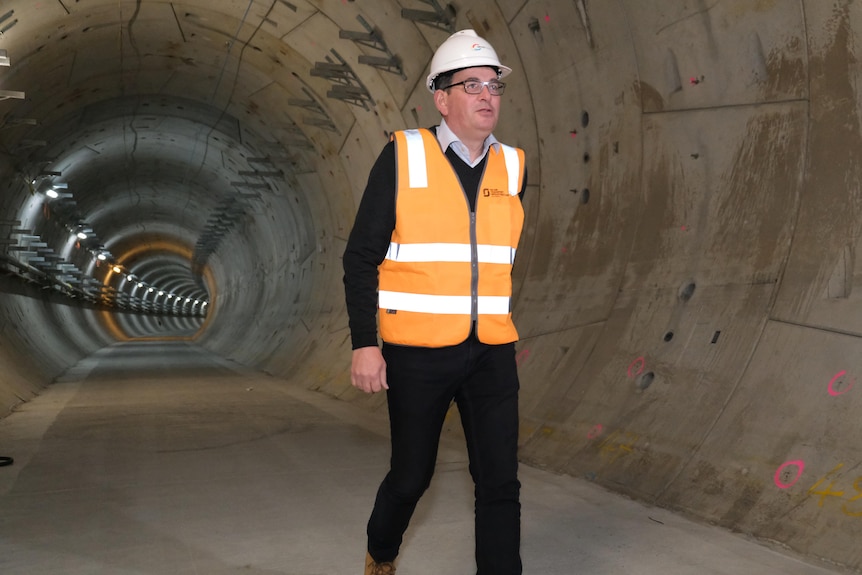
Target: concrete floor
192,465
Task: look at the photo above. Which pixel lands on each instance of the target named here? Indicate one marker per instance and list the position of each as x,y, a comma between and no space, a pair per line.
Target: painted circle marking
832,382
800,467
595,431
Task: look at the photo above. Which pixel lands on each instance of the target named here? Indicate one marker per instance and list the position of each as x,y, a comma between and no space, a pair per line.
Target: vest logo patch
494,193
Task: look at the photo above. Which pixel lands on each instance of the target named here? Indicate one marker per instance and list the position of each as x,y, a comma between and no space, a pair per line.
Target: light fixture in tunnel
81,236
117,269
53,192
101,257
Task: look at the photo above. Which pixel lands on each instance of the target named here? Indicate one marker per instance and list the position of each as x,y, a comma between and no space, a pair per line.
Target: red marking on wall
595,431
838,377
636,367
782,484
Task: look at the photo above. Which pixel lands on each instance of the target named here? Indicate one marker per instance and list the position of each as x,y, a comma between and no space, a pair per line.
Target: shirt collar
447,138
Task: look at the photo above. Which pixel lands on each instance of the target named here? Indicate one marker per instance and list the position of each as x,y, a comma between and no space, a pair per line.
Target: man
432,255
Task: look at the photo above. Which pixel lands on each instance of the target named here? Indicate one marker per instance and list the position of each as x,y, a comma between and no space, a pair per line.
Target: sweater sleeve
366,248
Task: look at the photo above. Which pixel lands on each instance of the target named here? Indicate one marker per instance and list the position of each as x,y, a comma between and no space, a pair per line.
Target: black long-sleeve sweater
371,234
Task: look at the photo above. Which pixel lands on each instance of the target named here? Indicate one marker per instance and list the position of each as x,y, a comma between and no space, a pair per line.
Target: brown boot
372,567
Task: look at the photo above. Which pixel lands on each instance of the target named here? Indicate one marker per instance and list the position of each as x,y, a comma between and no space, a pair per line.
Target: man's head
465,79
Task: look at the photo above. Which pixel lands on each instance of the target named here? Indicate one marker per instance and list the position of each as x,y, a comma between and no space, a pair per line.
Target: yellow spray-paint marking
829,491
857,485
618,444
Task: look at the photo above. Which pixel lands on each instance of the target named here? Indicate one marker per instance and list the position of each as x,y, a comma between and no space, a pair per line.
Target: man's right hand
368,370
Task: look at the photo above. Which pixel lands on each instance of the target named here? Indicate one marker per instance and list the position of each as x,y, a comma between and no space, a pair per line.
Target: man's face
470,116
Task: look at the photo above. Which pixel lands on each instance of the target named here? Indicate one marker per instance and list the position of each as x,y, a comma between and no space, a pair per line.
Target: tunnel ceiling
160,122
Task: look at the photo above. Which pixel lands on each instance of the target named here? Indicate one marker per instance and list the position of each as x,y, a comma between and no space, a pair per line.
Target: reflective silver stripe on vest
416,166
441,304
513,168
441,252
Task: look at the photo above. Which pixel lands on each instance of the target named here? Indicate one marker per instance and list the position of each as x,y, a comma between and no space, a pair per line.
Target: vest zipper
474,249
474,269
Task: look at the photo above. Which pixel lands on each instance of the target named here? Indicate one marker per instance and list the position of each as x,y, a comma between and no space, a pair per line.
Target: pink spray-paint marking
832,381
641,363
595,431
522,356
547,18
800,467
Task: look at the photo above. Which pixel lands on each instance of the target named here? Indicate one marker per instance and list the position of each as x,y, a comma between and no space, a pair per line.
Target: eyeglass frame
501,89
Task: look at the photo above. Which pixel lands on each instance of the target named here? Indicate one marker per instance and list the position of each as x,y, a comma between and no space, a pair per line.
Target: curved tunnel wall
687,286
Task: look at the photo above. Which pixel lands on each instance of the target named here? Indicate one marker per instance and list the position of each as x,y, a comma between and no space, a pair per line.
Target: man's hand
368,371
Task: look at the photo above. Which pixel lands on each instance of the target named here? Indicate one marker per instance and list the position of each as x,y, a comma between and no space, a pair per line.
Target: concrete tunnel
688,283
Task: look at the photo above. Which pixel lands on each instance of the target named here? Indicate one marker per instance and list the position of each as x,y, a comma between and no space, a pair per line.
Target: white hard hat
464,49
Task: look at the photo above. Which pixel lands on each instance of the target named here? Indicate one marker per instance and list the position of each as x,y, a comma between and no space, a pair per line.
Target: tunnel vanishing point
688,283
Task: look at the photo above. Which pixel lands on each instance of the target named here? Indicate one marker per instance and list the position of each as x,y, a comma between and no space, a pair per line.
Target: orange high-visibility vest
447,267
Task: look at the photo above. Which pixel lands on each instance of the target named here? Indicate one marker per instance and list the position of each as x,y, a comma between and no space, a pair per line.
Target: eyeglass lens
475,87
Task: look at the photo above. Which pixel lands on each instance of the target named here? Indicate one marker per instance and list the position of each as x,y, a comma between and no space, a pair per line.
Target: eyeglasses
495,87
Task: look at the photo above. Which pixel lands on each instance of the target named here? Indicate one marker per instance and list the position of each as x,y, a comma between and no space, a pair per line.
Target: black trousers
483,381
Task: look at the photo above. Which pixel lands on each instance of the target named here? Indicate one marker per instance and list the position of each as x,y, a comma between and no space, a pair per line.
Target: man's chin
486,123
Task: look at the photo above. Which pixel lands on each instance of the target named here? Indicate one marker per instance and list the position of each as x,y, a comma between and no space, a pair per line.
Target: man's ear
441,101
